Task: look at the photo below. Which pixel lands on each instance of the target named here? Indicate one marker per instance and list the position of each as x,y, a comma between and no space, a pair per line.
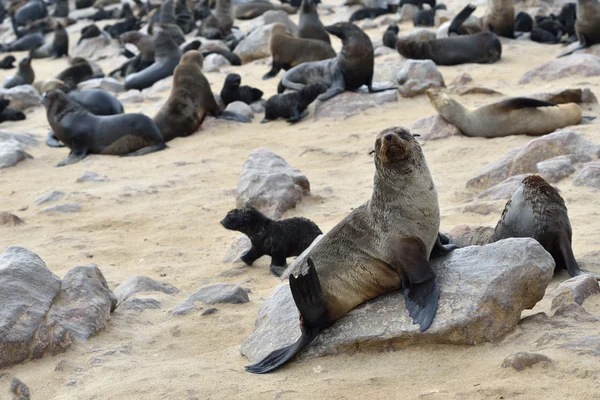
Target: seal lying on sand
516,116
483,48
308,73
380,247
85,133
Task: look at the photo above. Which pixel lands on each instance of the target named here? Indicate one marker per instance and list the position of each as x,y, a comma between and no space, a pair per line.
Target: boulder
240,107
63,208
274,17
22,97
416,76
567,96
220,293
557,168
577,65
433,127
140,284
407,12
575,290
11,152
589,175
504,190
107,83
478,236
97,48
213,62
131,96
270,184
523,159
255,45
348,104
483,291
25,139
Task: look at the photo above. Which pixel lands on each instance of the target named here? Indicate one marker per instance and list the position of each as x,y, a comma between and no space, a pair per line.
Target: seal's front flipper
421,301
460,18
442,246
72,158
52,140
275,68
233,116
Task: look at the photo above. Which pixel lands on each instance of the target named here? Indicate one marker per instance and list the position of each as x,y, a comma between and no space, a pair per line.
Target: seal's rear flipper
421,301
442,246
562,252
460,18
147,150
523,102
233,116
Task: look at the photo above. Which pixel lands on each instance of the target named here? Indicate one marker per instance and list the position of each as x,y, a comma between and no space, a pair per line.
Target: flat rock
523,159
140,284
270,184
567,96
11,152
241,108
213,62
575,290
50,197
22,97
383,51
416,76
433,127
258,107
97,48
521,360
349,104
131,96
239,246
19,389
504,190
215,294
8,219
478,236
107,83
482,208
63,208
578,65
89,176
483,291
589,175
557,168
139,304
25,139
255,45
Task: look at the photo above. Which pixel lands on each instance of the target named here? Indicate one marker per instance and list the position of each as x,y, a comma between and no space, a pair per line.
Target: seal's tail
310,300
460,19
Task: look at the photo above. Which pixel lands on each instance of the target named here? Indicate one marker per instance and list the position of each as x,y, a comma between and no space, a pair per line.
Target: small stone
462,79
213,62
63,208
481,208
521,360
19,389
368,24
575,290
416,76
589,175
214,294
240,107
239,246
433,127
131,96
12,152
88,176
383,51
575,65
407,12
348,104
209,311
49,197
10,219
138,284
139,304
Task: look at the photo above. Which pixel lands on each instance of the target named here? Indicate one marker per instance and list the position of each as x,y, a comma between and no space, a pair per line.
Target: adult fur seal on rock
289,51
24,76
85,133
483,48
191,100
537,210
308,73
309,25
382,246
167,56
355,63
58,48
515,116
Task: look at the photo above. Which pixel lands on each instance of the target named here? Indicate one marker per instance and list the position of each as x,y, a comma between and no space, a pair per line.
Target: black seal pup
277,239
232,91
390,36
24,76
380,247
88,32
310,26
9,114
80,70
85,133
292,106
523,22
7,62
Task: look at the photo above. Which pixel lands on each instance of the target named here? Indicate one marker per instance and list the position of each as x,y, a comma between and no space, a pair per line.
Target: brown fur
500,18
587,24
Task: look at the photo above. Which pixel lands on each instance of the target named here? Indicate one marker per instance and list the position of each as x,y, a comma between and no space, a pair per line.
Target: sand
158,215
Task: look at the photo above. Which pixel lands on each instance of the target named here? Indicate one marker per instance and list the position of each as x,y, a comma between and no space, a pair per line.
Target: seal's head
242,219
397,150
193,57
233,81
25,62
443,103
393,28
341,29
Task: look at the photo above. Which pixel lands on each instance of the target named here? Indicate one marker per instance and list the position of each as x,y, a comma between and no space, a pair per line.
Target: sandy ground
158,216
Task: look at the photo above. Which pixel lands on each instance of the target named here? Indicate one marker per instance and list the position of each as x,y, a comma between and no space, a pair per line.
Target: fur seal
25,43
80,4
390,36
24,76
61,10
355,63
145,57
79,71
308,73
57,48
30,12
255,9
88,32
292,106
190,101
499,18
523,22
289,51
371,13
378,248
232,91
183,17
427,17
9,114
587,24
310,26
537,210
85,133
167,57
7,62
515,116
218,25
482,48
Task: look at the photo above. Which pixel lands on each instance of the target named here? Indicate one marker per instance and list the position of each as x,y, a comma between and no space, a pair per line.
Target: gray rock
587,345
63,208
467,236
483,291
275,17
258,107
433,127
557,168
19,389
140,284
504,190
97,48
418,34
579,65
11,152
209,311
368,24
383,51
241,108
407,12
220,293
416,76
349,104
139,304
22,97
567,96
575,290
8,219
131,96
523,159
213,62
255,45
239,246
25,139
107,83
49,197
270,184
589,175
522,359
482,208
89,176
389,19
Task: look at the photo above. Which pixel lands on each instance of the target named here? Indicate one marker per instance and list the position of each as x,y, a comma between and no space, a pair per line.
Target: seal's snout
388,137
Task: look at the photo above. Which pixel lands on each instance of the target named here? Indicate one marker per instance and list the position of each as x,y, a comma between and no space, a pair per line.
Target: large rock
567,96
504,190
270,184
220,293
416,76
275,17
40,313
575,290
141,284
557,168
348,104
255,45
25,139
97,48
213,62
483,291
11,152
433,127
589,175
523,159
22,97
579,65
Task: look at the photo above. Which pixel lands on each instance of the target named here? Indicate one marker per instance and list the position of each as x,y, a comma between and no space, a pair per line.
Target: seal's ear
416,135
372,152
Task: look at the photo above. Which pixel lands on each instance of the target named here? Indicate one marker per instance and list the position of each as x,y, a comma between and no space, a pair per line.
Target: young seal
523,22
292,106
85,133
190,101
79,71
355,63
24,76
219,24
277,239
7,62
537,210
308,73
167,57
232,91
57,48
9,114
380,247
289,51
516,116
483,48
390,36
145,57
88,32
310,26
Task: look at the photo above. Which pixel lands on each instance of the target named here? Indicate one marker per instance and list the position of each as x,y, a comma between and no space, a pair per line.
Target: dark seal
24,76
57,48
233,91
292,106
310,26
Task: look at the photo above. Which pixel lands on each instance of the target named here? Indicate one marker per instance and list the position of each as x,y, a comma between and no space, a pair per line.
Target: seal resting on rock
58,48
289,51
85,133
515,116
278,239
380,247
292,106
